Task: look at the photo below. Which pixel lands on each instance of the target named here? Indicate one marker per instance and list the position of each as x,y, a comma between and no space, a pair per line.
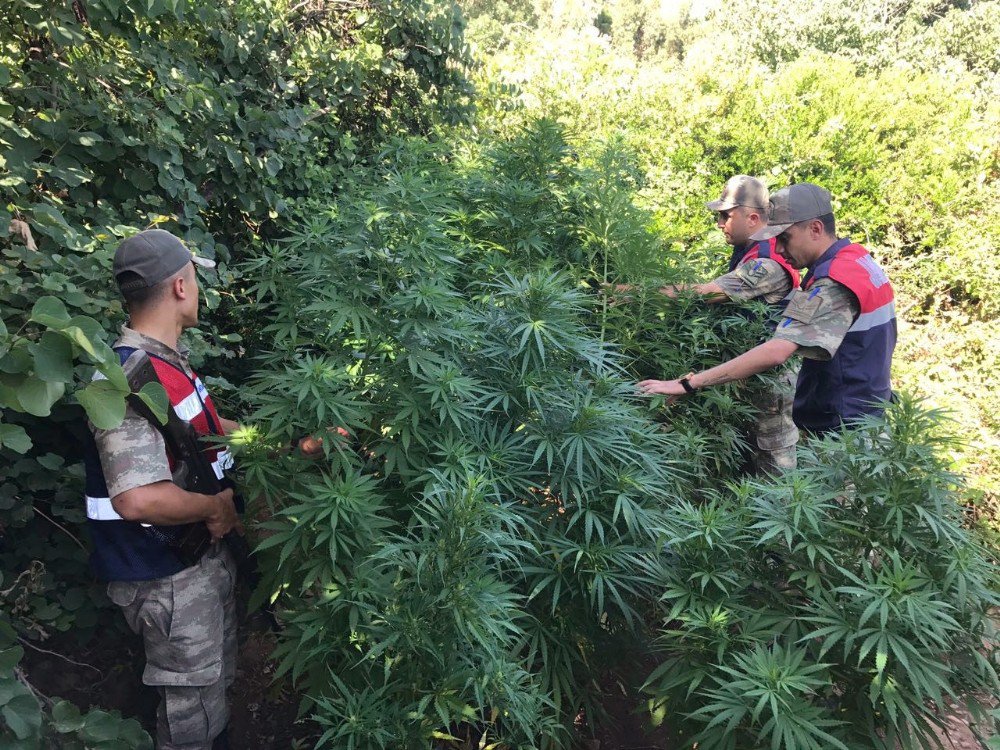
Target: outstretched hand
670,388
311,446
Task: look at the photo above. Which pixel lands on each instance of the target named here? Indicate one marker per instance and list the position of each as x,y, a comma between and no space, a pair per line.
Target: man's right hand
223,517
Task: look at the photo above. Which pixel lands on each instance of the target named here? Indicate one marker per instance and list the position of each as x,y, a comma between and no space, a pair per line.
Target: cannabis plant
508,521
470,556
840,606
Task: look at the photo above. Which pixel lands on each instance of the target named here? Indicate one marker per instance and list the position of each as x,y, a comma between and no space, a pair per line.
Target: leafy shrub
839,606
201,117
900,124
473,555
31,721
505,518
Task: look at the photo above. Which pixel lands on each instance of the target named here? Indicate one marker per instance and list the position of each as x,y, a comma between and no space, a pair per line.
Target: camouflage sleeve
759,278
132,454
817,320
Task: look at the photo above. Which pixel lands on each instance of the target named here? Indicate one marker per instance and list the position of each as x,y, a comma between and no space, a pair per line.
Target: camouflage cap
741,190
152,255
791,205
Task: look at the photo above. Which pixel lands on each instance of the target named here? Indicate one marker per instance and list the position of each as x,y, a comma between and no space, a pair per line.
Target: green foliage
472,556
205,118
505,519
882,104
838,606
31,722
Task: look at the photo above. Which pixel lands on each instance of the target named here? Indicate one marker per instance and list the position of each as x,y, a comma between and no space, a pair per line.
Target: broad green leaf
88,335
131,731
24,716
99,726
37,397
14,437
50,312
105,404
49,217
9,658
53,355
66,717
18,360
155,397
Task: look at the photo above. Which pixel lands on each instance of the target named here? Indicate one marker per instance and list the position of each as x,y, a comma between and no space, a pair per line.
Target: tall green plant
201,117
842,605
475,551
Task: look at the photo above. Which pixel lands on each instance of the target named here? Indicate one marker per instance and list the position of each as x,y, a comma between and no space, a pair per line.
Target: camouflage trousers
775,434
188,627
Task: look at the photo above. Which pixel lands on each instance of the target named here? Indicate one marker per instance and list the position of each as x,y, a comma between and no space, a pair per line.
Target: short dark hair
761,212
829,224
138,297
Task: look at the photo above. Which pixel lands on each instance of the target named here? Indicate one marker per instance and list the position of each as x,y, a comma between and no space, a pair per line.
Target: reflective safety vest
129,550
854,382
765,249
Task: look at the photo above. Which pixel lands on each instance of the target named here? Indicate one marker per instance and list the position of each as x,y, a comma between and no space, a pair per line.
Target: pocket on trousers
195,715
191,653
122,593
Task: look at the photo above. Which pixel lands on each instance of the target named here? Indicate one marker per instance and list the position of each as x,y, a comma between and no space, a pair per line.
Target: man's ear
180,286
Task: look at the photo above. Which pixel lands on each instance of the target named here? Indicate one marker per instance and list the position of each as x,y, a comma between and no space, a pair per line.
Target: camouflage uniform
774,433
187,620
818,319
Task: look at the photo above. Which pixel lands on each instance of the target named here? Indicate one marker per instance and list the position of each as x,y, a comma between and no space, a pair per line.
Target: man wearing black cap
842,322
183,609
756,271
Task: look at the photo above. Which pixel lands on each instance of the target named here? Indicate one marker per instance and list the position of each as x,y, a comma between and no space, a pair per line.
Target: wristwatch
686,383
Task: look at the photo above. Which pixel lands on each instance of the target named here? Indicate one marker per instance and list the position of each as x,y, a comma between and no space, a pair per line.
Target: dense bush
201,117
877,103
839,606
506,521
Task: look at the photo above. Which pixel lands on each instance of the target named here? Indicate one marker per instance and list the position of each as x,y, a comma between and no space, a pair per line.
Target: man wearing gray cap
183,608
842,322
756,271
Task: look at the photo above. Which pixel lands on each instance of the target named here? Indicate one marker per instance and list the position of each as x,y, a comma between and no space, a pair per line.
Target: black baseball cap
153,255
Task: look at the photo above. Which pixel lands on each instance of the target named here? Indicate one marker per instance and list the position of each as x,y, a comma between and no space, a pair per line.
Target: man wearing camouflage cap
756,271
183,609
842,322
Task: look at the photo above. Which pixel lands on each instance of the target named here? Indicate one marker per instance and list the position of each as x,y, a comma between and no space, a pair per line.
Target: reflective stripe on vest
854,382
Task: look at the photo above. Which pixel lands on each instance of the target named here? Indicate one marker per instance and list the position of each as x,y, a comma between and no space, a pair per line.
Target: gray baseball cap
792,204
153,255
741,190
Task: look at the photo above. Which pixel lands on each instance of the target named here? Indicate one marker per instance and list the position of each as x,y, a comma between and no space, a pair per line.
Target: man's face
793,246
737,224
189,309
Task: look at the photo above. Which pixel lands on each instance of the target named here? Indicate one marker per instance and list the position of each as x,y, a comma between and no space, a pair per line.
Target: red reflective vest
763,249
855,382
128,550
